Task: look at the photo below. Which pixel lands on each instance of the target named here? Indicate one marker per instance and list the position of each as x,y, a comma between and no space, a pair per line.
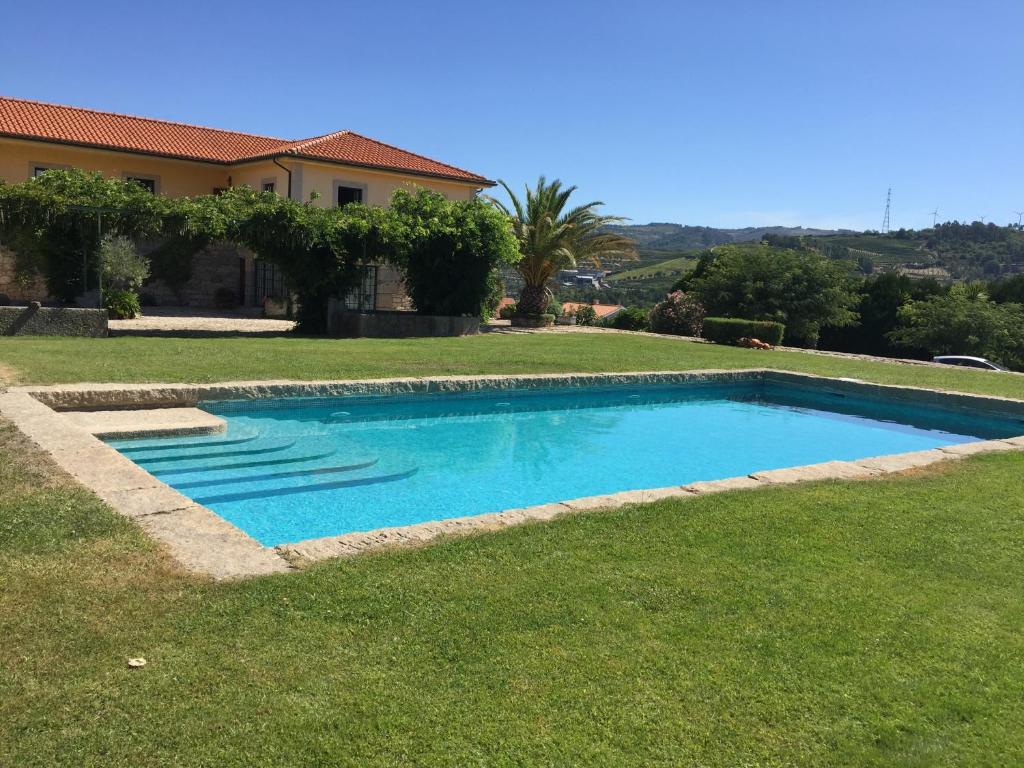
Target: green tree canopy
801,289
964,321
450,252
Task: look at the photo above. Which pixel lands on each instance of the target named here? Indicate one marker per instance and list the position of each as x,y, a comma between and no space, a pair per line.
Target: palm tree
552,238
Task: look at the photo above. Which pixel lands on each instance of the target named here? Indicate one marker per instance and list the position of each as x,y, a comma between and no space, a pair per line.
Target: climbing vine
56,221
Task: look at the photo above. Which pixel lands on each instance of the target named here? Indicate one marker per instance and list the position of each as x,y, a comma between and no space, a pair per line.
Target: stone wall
17,288
391,293
217,266
392,325
52,321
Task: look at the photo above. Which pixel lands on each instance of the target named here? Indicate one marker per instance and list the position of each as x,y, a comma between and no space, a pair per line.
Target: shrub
123,268
449,251
629,319
507,311
224,298
586,315
121,304
554,308
680,314
729,330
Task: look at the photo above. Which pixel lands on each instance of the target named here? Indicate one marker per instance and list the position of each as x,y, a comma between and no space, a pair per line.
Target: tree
552,237
322,252
964,321
801,289
122,266
451,252
878,306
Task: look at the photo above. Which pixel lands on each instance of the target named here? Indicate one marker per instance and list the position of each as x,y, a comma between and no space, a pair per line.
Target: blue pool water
294,469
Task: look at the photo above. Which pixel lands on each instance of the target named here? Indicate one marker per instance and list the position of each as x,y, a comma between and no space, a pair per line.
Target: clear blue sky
700,112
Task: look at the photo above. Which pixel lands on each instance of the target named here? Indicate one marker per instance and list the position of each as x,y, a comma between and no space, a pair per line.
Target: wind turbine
1019,215
935,215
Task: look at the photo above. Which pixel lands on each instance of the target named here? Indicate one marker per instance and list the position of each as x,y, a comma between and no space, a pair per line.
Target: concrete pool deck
64,421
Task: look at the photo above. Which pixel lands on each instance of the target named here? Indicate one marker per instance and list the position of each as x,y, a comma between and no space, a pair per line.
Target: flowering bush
680,314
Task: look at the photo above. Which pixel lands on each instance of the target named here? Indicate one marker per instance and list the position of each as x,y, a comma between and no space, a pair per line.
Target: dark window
39,170
148,184
348,195
219,190
269,282
364,296
269,186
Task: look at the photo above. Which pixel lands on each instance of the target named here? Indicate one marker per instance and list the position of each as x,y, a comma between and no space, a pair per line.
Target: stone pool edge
207,544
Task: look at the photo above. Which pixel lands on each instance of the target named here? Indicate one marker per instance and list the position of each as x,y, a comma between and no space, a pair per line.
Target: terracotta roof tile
72,125
601,310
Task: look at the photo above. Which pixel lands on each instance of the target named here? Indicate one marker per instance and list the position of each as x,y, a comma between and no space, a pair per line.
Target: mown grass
873,623
136,359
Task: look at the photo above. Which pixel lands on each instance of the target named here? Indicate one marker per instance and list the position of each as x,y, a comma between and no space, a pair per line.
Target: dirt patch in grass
8,376
25,467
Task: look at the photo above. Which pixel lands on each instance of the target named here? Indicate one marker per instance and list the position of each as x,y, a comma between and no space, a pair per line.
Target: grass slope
674,267
133,359
873,623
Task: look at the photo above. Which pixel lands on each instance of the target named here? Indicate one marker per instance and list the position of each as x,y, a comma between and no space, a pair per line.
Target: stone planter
533,321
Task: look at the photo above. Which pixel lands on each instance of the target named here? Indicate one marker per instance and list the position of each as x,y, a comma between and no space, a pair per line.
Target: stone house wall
18,289
391,293
219,265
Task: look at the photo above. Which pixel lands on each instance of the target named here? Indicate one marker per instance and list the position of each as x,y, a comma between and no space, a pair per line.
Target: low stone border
35,320
197,537
206,543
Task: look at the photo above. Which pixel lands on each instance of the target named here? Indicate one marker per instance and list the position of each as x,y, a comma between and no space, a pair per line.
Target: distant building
603,311
581,278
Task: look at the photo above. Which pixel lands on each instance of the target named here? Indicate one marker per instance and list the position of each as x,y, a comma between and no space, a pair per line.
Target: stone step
155,422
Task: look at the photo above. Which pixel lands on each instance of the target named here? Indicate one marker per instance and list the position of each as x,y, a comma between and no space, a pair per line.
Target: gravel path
167,321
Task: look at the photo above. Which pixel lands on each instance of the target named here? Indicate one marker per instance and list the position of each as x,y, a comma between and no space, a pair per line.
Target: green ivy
448,251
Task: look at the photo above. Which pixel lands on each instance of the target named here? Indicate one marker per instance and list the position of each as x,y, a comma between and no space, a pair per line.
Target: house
178,160
603,311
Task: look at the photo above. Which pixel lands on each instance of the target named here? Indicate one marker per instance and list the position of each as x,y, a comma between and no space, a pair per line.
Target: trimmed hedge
729,330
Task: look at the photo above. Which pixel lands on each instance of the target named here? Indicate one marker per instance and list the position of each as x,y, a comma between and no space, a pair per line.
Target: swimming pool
291,469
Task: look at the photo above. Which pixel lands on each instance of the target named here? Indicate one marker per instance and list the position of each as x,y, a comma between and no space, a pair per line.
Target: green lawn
56,360
875,623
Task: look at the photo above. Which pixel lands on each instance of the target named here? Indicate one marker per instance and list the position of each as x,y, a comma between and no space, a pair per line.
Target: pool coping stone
207,544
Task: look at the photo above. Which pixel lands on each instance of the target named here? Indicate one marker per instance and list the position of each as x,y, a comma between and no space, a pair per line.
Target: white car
965,361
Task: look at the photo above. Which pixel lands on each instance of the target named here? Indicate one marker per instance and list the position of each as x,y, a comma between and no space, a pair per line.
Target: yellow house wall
178,178
378,186
174,178
254,174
